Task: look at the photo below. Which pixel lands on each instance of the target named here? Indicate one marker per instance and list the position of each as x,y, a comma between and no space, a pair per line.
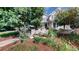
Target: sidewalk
7,42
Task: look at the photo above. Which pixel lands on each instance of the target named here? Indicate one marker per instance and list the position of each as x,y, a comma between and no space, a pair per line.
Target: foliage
37,39
36,22
28,16
66,17
6,17
73,37
34,16
47,41
52,33
23,36
18,17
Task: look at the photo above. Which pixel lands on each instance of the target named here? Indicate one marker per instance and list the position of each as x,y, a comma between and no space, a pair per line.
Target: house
50,19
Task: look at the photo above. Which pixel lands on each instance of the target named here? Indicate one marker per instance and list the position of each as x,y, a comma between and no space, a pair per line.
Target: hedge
10,33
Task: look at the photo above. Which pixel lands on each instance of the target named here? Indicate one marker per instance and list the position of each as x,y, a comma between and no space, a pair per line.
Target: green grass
6,34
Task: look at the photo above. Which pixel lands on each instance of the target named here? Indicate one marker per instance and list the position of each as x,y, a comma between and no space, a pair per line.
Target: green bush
41,40
52,32
6,34
46,41
72,37
23,37
52,44
37,39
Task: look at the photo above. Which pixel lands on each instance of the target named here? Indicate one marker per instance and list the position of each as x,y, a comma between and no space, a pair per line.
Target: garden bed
29,45
48,43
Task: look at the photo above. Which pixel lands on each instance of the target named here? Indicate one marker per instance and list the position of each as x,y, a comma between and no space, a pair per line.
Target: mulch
40,46
30,43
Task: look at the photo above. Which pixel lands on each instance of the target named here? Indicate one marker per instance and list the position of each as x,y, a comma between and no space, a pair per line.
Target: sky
48,10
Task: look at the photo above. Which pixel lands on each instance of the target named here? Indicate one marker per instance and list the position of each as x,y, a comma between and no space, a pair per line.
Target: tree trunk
64,27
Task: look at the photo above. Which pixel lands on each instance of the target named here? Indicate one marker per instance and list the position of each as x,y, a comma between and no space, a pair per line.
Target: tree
7,19
20,18
75,24
66,17
29,16
34,16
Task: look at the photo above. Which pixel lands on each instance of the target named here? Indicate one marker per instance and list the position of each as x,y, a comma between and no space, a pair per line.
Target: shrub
41,40
53,44
46,41
37,39
52,32
22,37
72,37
